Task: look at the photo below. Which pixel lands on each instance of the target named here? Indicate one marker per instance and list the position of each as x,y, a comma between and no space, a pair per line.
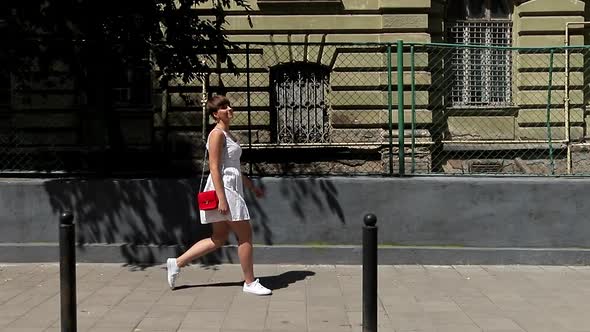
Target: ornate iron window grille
299,92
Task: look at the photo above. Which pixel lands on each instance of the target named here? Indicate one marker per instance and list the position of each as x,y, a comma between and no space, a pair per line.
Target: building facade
320,83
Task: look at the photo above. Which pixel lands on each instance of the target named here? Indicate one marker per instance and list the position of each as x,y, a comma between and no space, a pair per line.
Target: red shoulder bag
206,200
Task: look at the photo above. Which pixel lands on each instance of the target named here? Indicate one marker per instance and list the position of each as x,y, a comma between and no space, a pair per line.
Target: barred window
481,76
298,98
5,88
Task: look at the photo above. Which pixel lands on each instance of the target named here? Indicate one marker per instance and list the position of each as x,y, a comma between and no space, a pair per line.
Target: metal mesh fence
181,124
310,108
20,153
576,92
504,113
28,144
51,125
323,108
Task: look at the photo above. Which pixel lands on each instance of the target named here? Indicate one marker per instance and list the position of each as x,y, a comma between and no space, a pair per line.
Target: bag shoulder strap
205,158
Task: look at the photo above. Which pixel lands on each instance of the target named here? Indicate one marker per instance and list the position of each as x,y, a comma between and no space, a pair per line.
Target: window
298,98
131,86
481,76
5,88
130,77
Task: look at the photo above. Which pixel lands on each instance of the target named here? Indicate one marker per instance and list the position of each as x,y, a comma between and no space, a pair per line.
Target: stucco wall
309,212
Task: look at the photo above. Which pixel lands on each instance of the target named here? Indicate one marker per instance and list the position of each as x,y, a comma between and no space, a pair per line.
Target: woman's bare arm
216,141
258,191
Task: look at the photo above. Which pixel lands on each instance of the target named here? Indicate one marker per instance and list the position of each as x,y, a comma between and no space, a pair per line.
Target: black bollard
370,273
67,271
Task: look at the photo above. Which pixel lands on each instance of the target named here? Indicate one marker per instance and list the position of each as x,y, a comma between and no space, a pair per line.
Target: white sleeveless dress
232,181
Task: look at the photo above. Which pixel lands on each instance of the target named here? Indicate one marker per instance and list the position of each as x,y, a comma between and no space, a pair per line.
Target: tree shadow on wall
146,217
303,195
153,218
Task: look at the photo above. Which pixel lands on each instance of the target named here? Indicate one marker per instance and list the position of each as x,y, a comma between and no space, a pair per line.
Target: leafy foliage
168,35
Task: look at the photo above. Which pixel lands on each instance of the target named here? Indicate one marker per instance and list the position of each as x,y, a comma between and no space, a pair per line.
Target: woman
232,213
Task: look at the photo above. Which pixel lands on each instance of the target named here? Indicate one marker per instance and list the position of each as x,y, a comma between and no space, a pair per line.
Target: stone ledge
301,254
550,7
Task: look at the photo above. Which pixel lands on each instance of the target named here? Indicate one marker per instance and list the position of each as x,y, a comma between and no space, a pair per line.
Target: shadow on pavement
283,280
280,281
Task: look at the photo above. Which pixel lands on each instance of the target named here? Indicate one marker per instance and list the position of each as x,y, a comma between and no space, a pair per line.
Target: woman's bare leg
205,246
243,231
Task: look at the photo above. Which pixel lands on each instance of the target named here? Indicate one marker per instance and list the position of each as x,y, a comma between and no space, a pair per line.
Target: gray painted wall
455,212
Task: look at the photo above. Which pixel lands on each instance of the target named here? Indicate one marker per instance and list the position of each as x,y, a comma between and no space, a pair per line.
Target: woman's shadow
280,281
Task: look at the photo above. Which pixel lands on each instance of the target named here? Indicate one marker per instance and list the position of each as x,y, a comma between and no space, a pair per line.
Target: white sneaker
173,271
256,288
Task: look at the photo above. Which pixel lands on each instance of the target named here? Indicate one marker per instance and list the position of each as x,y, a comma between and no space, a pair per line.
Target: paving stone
113,297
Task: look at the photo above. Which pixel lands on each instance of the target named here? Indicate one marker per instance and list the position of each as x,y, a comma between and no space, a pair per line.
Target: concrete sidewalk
306,298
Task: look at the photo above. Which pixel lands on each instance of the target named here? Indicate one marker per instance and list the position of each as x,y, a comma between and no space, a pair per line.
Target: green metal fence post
413,75
390,108
552,161
248,106
400,105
